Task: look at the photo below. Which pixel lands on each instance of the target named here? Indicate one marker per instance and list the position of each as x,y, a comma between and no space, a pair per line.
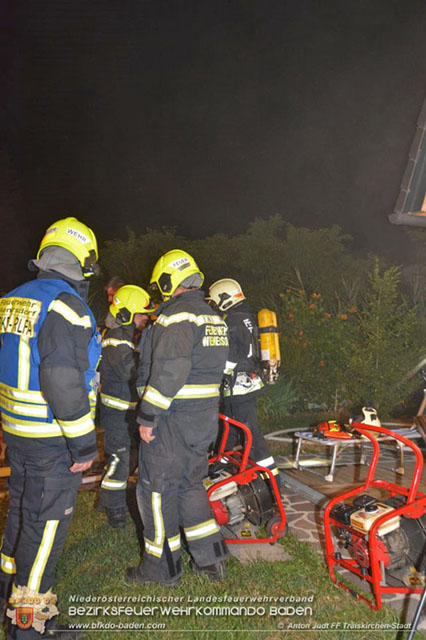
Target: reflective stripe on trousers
42,499
171,493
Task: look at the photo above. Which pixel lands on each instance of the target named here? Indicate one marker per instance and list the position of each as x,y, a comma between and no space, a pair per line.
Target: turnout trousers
43,494
121,450
172,497
244,409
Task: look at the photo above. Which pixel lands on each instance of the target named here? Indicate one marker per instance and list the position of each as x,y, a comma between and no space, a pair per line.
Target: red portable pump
386,538
242,492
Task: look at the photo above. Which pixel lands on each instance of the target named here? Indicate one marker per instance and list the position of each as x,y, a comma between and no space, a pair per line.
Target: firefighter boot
99,506
134,575
215,571
117,517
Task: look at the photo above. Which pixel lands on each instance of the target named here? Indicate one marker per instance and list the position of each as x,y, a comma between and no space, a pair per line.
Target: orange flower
312,306
305,344
300,333
281,295
343,316
352,310
290,315
327,315
322,363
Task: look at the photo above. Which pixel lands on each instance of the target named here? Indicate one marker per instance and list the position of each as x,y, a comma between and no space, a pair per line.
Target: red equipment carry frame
413,508
247,472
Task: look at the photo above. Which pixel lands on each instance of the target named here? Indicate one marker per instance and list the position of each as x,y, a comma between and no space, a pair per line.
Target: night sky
205,114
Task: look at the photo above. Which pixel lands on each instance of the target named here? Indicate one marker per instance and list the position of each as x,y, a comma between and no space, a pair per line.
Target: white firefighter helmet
225,293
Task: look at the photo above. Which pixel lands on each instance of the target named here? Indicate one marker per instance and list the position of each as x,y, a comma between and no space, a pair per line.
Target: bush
277,400
387,345
314,342
347,335
357,355
264,259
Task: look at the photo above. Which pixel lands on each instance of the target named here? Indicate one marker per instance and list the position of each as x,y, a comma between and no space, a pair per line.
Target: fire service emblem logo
24,617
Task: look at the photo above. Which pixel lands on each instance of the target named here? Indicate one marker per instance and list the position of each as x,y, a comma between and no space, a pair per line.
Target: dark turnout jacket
118,368
243,365
183,358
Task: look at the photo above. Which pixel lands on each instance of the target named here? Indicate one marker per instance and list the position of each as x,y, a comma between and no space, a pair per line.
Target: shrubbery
347,335
355,355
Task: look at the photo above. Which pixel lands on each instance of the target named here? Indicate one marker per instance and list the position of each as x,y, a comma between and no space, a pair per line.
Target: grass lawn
266,600
92,568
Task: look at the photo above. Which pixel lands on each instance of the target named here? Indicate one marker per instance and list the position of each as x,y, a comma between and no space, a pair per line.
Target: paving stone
247,553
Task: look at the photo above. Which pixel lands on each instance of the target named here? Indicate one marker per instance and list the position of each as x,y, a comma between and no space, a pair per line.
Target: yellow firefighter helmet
172,269
129,300
225,294
75,237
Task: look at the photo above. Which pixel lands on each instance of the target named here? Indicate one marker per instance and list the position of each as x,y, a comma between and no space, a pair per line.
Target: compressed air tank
270,354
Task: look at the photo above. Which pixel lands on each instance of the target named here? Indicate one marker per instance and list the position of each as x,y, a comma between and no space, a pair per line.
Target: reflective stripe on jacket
186,349
25,412
118,369
242,368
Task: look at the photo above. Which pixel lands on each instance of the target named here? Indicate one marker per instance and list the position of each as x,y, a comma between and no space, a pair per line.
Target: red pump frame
413,508
247,472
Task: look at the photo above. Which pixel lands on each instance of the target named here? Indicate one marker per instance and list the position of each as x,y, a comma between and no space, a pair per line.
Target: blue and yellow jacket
49,350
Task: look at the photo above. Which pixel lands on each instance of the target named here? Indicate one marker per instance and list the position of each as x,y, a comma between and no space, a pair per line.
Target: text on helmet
181,263
77,235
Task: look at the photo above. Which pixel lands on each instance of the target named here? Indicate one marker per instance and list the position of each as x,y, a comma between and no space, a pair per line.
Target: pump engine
385,539
242,494
400,541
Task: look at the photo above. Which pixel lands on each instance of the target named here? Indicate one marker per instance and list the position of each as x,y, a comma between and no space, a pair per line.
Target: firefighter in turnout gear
49,352
187,349
118,369
243,372
111,287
